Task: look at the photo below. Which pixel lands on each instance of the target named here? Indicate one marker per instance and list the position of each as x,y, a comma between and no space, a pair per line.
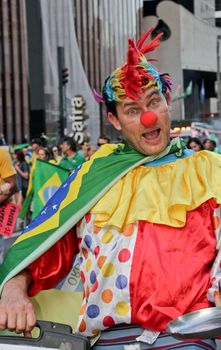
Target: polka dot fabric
106,258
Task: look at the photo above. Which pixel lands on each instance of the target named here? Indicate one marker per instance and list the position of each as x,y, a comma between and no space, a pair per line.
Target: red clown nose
148,118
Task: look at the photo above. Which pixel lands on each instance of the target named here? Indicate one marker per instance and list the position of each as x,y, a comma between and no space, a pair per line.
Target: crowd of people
15,170
196,144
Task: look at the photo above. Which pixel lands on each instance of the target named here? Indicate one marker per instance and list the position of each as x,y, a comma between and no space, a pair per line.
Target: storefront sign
78,118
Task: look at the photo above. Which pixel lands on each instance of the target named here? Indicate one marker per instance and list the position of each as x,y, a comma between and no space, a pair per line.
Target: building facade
102,31
189,54
14,102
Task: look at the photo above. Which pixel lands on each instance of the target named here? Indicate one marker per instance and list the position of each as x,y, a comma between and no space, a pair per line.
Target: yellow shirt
6,167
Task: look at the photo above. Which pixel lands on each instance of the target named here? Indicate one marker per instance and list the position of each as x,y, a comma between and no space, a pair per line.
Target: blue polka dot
93,277
88,241
114,246
81,260
121,282
93,311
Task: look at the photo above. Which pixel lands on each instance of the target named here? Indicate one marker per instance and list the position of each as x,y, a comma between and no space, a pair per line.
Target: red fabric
53,265
171,268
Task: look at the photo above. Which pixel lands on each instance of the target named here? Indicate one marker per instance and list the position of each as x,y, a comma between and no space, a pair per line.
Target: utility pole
63,80
218,75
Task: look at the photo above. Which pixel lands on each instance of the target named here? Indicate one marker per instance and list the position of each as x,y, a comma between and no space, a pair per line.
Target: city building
14,100
54,53
190,52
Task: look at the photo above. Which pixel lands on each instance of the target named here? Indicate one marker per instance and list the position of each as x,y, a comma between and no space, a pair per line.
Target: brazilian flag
47,179
76,196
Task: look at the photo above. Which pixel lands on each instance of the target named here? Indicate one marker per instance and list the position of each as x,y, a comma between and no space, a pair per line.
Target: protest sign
8,216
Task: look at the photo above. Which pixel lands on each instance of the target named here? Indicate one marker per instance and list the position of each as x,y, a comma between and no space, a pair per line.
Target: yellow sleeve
6,167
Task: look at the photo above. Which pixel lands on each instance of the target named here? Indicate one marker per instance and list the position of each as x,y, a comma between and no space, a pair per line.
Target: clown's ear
113,119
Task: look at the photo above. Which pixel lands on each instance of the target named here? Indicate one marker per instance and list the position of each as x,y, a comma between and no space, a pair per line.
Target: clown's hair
135,75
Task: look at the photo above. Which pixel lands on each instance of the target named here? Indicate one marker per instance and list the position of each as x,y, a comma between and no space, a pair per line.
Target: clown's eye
132,112
154,101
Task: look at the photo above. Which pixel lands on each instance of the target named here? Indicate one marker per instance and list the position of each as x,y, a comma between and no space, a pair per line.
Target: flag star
44,211
54,206
65,185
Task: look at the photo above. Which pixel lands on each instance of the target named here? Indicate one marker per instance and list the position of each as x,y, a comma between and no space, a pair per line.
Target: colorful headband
136,74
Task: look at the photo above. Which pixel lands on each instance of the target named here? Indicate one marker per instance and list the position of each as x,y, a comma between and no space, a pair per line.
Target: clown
143,217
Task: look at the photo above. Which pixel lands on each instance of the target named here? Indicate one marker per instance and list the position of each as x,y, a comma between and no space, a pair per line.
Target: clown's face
150,139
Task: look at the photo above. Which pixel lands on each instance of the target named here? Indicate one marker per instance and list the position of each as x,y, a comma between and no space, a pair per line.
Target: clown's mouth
151,135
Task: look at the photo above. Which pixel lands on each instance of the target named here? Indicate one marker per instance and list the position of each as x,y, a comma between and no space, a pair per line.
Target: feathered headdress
136,74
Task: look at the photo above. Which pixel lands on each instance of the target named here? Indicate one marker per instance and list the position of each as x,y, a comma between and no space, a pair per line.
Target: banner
8,216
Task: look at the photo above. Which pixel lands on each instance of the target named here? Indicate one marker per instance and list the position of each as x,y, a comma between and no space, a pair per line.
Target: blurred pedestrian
71,159
43,153
55,156
35,145
23,170
8,184
91,151
209,145
102,140
195,144
83,151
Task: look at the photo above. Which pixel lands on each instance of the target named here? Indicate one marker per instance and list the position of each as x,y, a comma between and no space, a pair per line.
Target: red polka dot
96,251
88,218
82,277
94,286
124,255
108,321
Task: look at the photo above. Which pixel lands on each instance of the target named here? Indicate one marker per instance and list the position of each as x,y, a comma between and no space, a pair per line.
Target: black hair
196,140
70,142
37,141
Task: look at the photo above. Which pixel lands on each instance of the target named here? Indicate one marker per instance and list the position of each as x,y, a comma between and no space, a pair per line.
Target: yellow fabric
161,194
58,306
6,167
57,161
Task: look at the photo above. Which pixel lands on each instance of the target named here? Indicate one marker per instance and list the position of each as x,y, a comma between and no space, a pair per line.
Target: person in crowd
150,227
71,159
102,140
8,185
43,154
209,145
35,145
91,150
28,151
23,171
55,156
195,144
83,151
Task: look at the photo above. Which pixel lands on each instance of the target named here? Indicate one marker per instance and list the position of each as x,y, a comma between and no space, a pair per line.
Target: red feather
132,75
